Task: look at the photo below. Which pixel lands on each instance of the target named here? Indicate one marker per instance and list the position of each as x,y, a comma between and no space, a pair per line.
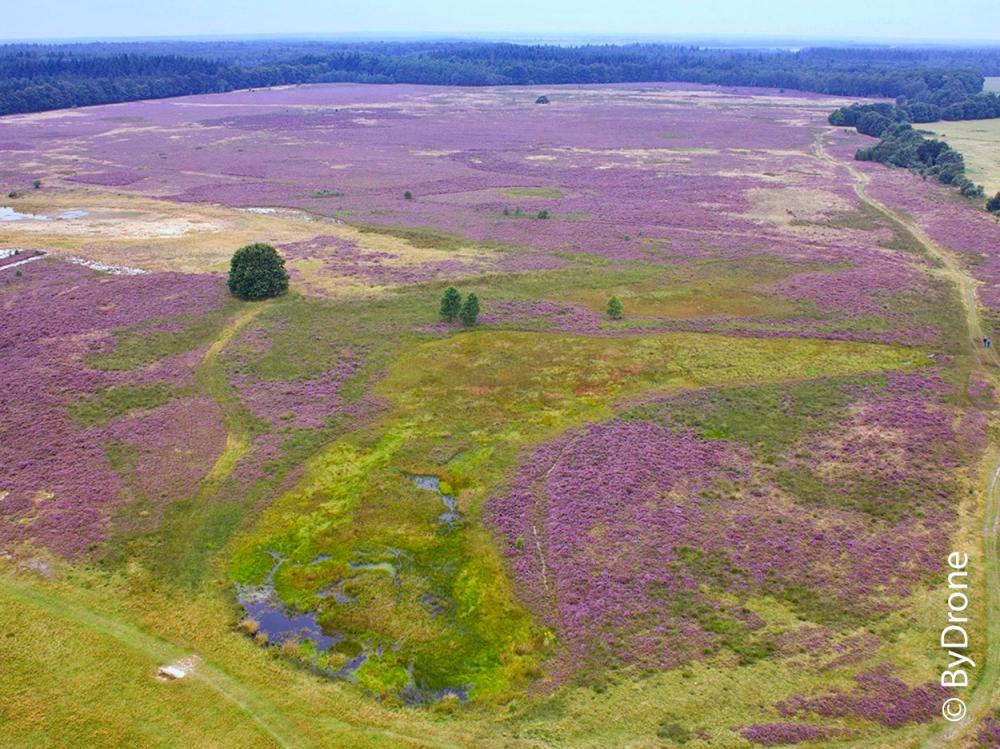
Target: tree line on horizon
41,77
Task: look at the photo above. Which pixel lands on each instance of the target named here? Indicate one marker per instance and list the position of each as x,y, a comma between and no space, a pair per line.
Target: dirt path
237,435
987,363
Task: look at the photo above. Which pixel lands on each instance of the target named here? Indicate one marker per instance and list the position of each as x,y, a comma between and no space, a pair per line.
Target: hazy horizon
559,21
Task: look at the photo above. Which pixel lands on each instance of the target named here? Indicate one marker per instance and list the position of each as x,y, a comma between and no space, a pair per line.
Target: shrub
257,271
470,311
451,304
544,213
993,204
37,184
970,189
673,732
407,195
615,308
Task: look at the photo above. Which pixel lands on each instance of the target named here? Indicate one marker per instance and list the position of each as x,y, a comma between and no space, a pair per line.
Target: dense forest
950,102
41,77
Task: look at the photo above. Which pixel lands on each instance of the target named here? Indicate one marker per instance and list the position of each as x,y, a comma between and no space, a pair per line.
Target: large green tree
257,271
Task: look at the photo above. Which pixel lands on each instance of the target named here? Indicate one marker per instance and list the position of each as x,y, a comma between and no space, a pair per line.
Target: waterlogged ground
722,521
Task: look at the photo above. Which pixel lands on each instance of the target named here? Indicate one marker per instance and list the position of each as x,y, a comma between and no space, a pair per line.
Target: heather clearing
552,529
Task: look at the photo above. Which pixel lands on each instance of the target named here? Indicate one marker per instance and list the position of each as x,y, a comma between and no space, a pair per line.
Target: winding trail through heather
186,550
237,436
987,363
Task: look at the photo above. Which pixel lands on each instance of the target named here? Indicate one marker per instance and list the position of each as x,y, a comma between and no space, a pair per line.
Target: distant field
979,142
993,83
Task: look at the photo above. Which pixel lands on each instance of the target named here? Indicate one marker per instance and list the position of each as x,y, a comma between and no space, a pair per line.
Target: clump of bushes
452,307
257,271
672,731
519,213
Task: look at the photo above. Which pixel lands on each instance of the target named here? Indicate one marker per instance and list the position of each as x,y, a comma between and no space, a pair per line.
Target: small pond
430,483
261,603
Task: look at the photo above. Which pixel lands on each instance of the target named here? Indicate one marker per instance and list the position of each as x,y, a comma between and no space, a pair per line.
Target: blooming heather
877,696
59,487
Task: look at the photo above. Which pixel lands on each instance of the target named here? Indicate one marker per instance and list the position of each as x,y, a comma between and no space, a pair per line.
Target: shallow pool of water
9,214
262,604
431,483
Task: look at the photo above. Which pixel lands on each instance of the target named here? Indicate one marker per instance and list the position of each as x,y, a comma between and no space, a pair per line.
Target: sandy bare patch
783,206
133,233
110,226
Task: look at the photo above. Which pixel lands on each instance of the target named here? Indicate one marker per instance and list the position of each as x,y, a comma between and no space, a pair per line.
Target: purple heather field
647,538
666,174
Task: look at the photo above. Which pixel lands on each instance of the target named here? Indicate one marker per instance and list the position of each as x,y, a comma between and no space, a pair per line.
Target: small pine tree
470,311
993,204
257,271
407,195
451,304
615,308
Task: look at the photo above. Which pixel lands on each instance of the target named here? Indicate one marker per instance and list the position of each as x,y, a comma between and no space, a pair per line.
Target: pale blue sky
814,19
